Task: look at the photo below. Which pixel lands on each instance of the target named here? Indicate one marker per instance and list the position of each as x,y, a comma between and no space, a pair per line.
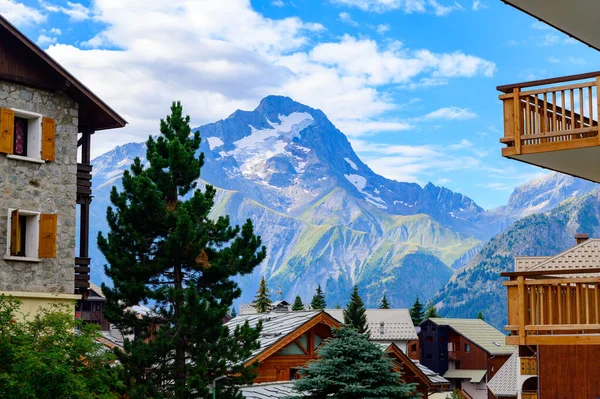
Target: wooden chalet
91,308
467,352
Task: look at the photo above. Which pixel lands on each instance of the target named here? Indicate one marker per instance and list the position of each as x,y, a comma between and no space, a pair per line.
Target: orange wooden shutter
7,130
48,138
48,236
15,233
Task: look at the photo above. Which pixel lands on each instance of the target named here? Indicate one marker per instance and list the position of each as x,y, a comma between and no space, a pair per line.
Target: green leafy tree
431,312
349,366
416,312
453,395
163,249
355,314
52,355
298,305
318,300
384,303
262,301
480,316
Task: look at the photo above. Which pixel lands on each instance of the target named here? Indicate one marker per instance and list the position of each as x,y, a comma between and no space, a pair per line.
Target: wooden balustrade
529,395
528,365
551,118
553,310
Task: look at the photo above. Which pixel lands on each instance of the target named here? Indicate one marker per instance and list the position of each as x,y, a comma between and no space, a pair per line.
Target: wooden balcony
529,395
553,123
528,365
562,309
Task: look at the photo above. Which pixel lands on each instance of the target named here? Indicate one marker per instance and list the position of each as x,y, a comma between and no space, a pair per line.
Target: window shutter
48,138
15,233
48,236
7,130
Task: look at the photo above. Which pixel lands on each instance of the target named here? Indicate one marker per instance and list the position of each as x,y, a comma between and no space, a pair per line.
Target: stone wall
47,188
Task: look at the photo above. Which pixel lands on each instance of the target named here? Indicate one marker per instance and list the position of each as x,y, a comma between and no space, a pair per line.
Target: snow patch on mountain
360,183
214,142
352,164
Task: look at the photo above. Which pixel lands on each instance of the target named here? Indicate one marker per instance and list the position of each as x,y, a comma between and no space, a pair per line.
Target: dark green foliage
355,314
453,395
298,305
318,301
164,250
349,366
262,301
480,316
416,312
384,303
431,312
233,312
52,355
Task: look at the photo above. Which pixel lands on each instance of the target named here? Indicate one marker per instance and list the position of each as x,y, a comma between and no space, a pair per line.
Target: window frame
34,136
467,348
32,240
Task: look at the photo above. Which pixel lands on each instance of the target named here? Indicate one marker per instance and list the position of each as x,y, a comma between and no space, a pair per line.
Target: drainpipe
214,385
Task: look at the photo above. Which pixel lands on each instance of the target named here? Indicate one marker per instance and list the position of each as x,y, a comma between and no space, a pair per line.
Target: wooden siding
412,347
569,371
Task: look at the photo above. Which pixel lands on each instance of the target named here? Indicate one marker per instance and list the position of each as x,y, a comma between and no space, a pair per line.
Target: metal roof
504,383
397,324
434,377
474,375
276,325
268,390
480,333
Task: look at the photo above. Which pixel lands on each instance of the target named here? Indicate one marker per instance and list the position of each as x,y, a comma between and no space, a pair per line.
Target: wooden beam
521,309
542,82
550,272
563,327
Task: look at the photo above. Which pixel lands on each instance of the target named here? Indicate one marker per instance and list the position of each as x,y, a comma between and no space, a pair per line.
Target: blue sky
411,82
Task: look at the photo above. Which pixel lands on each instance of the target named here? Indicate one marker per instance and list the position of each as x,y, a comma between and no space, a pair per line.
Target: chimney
581,237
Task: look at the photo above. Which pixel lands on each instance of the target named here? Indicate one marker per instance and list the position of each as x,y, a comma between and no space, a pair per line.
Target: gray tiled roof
479,332
504,383
434,377
397,323
276,325
270,390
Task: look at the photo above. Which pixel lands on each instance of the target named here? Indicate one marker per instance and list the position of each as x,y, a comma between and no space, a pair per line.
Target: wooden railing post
517,119
522,308
597,107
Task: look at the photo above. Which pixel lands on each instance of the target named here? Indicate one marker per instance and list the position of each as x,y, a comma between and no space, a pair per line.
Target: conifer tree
298,305
384,303
262,301
431,312
233,313
355,314
318,300
349,366
164,251
480,316
416,312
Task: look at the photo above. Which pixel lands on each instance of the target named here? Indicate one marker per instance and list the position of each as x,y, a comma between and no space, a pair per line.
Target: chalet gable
24,62
424,375
585,255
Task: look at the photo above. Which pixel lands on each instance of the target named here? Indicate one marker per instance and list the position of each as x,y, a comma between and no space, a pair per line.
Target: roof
504,382
434,377
397,323
94,114
582,256
268,390
429,377
474,375
96,293
523,263
479,332
279,325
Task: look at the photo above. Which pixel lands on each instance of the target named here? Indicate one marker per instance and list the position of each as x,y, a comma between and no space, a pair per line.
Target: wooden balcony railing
529,395
562,309
549,117
528,365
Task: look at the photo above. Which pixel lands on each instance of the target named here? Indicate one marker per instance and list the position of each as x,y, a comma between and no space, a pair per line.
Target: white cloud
347,19
55,31
278,3
218,59
450,113
497,186
539,25
406,6
44,40
76,11
20,14
477,5
442,181
382,28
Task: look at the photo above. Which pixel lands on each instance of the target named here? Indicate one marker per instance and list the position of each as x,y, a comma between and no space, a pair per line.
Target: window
467,348
429,338
31,235
413,347
294,375
27,136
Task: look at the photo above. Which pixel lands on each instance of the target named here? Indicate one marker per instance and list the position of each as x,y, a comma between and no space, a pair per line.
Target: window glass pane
291,349
23,235
21,136
304,340
318,341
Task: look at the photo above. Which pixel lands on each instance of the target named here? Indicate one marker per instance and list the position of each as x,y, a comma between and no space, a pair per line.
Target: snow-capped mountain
326,217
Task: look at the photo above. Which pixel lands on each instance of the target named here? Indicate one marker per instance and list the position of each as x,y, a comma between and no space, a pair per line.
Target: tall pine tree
298,305
163,250
318,300
262,301
355,314
384,303
349,366
416,312
431,312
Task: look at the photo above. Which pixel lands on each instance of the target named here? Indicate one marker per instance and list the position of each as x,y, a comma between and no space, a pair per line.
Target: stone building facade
47,119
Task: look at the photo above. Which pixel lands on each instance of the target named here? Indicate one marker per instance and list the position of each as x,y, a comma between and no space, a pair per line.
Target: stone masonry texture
47,188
